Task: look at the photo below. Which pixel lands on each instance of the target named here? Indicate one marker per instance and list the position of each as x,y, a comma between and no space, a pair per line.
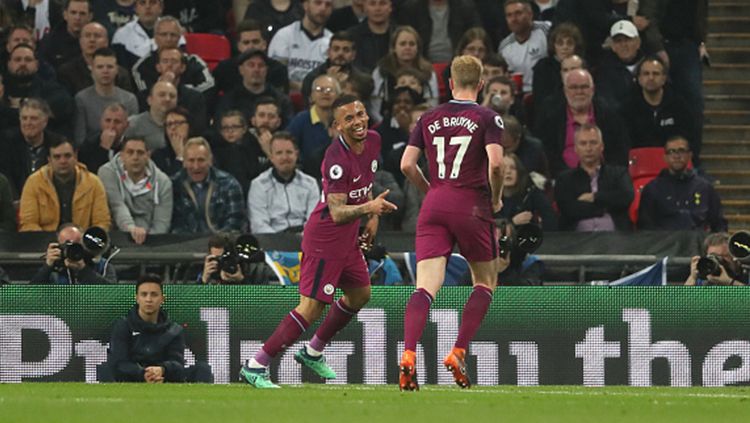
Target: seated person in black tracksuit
148,347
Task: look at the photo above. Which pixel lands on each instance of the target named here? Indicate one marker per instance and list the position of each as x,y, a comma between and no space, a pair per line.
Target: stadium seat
439,69
638,185
298,101
645,161
211,48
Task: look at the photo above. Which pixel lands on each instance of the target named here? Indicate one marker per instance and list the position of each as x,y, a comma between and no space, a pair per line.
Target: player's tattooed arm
342,213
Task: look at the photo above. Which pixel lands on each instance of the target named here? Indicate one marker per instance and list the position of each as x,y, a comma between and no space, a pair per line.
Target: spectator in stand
91,102
499,94
340,64
559,117
441,23
75,74
265,121
615,74
680,31
206,199
527,43
492,15
372,35
256,272
680,199
167,35
595,19
312,128
394,130
134,39
23,81
253,67
345,17
302,45
405,51
413,196
113,14
197,15
275,14
594,196
171,66
656,112
7,211
523,202
282,198
23,35
63,191
250,35
177,130
732,272
475,42
528,149
36,14
139,194
25,148
236,151
146,346
61,44
565,40
150,124
68,271
493,66
101,146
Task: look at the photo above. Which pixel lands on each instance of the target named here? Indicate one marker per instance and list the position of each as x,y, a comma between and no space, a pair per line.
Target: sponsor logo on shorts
328,289
335,172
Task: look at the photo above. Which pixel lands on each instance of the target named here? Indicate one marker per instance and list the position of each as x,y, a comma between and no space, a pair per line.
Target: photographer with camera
231,261
717,266
69,262
515,245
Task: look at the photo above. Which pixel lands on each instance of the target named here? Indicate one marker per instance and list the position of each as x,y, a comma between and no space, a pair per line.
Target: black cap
251,52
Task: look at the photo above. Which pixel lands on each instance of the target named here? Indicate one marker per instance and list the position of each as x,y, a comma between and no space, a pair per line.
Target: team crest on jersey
328,289
335,172
374,166
499,122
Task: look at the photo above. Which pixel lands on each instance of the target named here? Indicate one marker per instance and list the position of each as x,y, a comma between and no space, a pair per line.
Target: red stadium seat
439,69
298,101
211,48
638,185
647,161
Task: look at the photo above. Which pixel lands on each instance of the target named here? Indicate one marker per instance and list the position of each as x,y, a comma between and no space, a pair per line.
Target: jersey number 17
463,144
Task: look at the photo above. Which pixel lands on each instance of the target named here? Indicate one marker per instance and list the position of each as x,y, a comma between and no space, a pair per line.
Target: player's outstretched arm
496,173
342,213
411,170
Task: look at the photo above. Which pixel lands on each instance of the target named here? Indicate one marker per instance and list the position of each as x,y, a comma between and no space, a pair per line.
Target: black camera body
245,250
72,251
525,238
708,266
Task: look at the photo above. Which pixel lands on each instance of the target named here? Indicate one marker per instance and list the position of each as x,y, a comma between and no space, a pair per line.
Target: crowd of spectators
107,120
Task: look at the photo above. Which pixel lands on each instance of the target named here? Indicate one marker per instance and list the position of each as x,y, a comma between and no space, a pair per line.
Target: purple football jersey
453,137
343,172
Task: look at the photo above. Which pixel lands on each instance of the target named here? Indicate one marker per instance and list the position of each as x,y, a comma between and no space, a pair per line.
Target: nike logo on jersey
357,178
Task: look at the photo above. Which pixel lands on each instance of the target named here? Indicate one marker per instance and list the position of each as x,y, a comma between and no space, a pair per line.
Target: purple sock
290,328
416,317
474,311
338,316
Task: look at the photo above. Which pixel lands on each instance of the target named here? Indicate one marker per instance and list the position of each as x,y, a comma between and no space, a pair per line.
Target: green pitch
110,403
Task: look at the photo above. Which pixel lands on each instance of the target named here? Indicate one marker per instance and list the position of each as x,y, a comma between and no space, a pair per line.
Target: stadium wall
592,336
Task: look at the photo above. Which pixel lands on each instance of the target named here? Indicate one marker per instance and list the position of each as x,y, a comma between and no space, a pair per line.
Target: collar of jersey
454,101
343,143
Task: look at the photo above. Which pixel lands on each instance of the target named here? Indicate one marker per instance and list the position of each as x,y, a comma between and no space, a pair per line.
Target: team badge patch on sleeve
335,172
374,166
499,122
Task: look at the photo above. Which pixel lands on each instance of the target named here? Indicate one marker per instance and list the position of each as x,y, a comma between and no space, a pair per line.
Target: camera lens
708,266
